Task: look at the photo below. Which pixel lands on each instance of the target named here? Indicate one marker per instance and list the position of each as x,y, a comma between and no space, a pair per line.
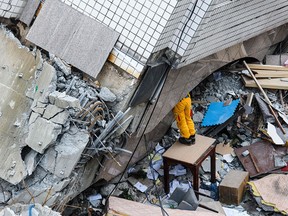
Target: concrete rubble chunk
33,117
45,84
107,95
61,118
62,66
51,111
42,133
19,209
62,159
62,100
30,161
39,108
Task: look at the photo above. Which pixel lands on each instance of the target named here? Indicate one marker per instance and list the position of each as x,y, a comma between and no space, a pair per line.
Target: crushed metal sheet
263,154
273,190
217,113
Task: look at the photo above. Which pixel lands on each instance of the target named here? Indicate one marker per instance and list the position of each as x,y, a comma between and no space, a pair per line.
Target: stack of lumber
268,76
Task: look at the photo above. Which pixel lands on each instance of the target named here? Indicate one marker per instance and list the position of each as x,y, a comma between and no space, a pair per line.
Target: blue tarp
217,113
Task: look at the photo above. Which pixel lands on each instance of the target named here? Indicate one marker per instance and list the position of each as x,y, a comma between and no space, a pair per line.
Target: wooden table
190,156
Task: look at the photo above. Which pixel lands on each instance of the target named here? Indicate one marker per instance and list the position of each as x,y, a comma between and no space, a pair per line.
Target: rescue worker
183,116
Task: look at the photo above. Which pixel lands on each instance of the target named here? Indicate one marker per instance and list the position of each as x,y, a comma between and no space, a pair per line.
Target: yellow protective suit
183,115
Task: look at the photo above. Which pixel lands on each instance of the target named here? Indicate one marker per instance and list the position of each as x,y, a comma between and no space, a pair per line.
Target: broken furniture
263,156
190,156
232,187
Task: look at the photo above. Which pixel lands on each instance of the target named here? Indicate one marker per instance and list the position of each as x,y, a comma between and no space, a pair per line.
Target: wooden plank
270,73
275,83
267,67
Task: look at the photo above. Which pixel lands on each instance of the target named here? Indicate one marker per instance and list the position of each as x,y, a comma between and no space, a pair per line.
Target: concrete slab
72,36
62,159
29,11
62,100
17,69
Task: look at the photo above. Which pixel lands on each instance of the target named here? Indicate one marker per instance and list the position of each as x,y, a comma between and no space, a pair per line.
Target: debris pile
63,121
245,144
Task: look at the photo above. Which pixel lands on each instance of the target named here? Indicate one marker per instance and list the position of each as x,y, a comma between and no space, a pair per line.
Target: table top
189,154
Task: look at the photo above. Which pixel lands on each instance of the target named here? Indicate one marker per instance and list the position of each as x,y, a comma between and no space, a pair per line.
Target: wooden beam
270,73
267,67
265,96
275,83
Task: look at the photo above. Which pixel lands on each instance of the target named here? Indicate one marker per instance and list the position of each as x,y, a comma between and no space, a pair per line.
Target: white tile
123,5
159,29
154,8
147,37
119,11
143,27
113,8
148,3
82,5
140,33
128,42
143,43
137,40
88,9
119,28
163,5
197,20
141,17
100,17
134,29
150,31
118,62
91,3
107,4
160,11
156,35
140,50
131,36
125,32
128,25
149,48
122,21
113,25
104,10
144,10
166,15
150,14
138,6
146,54
132,3
124,66
125,15
137,23
157,18
134,46
135,13
132,19
107,21
110,14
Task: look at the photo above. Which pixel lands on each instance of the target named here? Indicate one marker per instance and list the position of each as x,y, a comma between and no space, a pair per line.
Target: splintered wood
269,76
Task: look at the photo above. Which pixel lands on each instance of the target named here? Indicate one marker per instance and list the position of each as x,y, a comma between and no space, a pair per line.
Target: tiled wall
11,8
140,23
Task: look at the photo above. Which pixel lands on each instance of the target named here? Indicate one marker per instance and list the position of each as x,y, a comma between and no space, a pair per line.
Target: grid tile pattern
11,8
139,22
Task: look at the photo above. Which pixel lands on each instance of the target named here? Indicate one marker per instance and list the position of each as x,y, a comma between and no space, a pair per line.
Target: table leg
213,166
195,173
166,175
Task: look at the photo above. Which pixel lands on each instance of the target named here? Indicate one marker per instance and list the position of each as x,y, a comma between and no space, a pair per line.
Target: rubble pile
67,122
247,132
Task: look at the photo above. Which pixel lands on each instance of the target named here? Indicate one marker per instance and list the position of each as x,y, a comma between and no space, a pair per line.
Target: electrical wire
138,143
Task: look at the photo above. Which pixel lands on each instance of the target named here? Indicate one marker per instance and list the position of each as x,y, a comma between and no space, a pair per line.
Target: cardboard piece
223,149
232,187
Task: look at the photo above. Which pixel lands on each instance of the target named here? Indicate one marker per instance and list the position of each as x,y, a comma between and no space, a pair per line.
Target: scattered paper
284,117
228,157
141,187
273,134
175,183
178,170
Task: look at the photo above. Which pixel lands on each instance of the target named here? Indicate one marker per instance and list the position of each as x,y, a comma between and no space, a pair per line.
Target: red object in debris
284,168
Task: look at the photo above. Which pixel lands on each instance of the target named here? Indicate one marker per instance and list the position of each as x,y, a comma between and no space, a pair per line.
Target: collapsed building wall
56,126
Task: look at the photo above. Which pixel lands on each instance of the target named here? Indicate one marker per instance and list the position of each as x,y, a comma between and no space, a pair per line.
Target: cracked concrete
62,159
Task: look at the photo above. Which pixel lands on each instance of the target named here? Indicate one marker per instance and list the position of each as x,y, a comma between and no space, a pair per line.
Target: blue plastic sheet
217,113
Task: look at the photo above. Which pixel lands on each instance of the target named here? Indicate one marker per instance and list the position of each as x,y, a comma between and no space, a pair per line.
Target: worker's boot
192,138
185,141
